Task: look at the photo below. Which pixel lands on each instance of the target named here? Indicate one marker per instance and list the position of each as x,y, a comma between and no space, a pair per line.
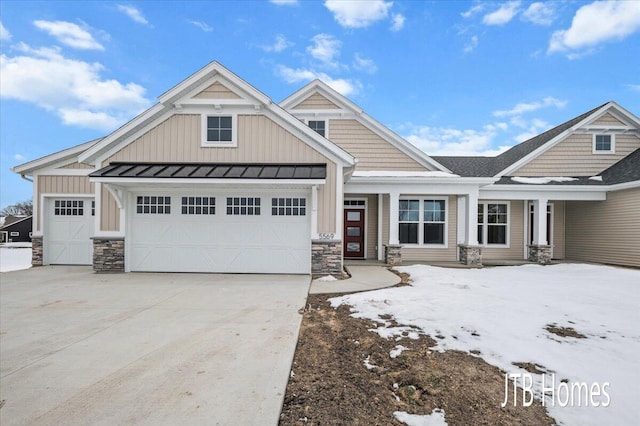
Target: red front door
354,233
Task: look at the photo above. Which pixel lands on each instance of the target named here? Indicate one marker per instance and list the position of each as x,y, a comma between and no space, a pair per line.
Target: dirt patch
564,331
531,367
343,374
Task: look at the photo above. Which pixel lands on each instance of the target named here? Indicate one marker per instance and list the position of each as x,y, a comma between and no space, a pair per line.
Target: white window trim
14,234
613,143
485,224
234,131
421,222
326,125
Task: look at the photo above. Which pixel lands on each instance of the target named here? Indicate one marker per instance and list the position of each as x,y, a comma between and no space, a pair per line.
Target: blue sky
457,78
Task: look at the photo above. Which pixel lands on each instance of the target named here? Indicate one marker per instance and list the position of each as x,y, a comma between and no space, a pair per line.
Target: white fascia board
92,153
51,159
553,142
459,188
622,186
160,182
482,181
323,89
507,192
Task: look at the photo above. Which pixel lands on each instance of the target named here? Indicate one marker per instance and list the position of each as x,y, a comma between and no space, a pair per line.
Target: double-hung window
493,223
422,221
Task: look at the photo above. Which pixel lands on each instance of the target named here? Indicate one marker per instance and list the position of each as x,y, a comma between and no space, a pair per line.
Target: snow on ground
15,256
503,312
327,278
436,418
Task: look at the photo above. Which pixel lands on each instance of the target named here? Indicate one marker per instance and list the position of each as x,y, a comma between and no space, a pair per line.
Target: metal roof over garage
212,171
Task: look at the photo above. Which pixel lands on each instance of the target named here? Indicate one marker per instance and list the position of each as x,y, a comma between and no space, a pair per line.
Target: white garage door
261,232
68,230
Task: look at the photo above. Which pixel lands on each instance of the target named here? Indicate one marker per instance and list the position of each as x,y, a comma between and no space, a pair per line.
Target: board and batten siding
574,157
217,91
76,166
316,101
61,185
605,231
515,251
260,140
372,151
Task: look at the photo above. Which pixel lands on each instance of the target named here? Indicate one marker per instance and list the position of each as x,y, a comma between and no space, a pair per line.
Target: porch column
540,249
380,214
393,250
469,252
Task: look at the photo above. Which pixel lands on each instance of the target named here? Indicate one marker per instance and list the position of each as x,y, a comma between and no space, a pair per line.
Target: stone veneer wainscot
326,258
36,251
108,254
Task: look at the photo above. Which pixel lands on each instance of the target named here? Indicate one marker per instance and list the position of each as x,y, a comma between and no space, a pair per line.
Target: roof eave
66,154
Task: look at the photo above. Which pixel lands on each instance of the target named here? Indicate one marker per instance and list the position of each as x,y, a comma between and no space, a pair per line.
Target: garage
259,231
68,230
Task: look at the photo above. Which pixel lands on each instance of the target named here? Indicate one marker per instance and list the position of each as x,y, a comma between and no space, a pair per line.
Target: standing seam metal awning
212,171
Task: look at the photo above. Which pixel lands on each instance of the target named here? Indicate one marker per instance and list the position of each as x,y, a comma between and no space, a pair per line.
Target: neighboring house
218,178
16,229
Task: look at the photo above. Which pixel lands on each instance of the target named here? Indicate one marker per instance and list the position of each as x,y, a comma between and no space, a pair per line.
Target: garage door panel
220,242
67,237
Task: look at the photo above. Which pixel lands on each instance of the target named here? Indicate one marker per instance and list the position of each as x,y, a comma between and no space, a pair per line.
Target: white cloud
523,108
343,86
471,44
358,14
364,64
503,15
284,2
72,89
202,25
634,87
473,11
540,13
325,48
281,43
597,23
450,141
5,35
70,34
133,13
397,22
19,157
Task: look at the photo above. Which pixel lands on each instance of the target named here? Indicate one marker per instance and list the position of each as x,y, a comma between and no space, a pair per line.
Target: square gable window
318,127
219,130
604,144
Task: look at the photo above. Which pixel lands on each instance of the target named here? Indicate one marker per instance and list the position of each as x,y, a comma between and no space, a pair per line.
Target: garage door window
68,208
243,206
288,206
148,204
198,205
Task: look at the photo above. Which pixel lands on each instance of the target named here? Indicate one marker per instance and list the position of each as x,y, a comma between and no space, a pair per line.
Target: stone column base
540,254
393,254
108,254
36,251
326,258
470,255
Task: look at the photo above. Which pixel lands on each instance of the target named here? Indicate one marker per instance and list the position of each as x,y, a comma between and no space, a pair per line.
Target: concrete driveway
80,348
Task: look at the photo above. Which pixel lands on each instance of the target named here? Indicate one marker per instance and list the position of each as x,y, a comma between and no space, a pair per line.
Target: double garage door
227,232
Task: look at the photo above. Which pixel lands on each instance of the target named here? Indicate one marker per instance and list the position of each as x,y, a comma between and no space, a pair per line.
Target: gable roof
318,86
56,157
625,170
170,101
13,220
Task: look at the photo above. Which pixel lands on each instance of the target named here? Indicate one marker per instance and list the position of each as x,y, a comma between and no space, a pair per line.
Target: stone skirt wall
326,258
108,254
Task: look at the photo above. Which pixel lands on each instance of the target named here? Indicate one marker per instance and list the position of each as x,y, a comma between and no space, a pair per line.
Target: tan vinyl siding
515,251
62,185
605,231
260,140
558,230
574,157
372,152
217,91
371,222
608,120
316,101
438,254
76,166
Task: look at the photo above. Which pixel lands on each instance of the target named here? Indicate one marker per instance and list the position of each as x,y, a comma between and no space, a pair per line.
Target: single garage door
261,232
67,233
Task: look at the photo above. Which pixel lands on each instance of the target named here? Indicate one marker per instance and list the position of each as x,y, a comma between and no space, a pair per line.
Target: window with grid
355,203
288,207
152,204
409,221
68,208
434,221
493,223
199,205
318,126
602,143
219,129
93,208
243,206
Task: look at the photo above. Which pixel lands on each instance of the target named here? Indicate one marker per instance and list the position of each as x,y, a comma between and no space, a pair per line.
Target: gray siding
605,231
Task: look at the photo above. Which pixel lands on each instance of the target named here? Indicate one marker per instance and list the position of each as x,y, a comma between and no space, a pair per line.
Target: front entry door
354,233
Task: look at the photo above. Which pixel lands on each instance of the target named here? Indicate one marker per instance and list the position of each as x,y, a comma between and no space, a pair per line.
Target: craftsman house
216,177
